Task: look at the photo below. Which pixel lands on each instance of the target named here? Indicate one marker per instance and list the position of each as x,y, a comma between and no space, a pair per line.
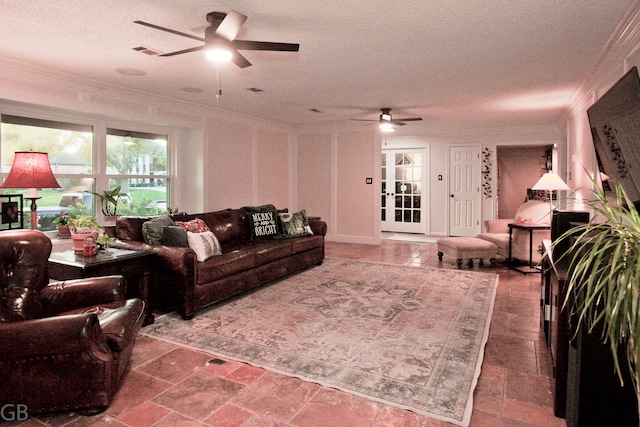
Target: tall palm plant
603,289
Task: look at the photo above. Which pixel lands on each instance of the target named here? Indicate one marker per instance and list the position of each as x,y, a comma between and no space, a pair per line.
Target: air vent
147,50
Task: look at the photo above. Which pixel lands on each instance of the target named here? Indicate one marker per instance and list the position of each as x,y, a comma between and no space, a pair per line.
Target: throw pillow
152,229
174,235
194,226
205,245
295,224
263,225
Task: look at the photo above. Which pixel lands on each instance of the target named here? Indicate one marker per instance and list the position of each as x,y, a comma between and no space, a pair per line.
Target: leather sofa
530,212
64,345
245,263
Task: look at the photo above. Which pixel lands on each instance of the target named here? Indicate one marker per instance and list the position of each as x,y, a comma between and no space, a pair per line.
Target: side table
134,266
531,227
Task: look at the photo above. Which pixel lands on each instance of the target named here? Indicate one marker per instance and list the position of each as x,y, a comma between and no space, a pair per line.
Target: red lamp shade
30,169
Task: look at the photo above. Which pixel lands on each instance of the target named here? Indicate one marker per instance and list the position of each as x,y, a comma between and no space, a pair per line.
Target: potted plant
62,222
82,226
109,200
603,290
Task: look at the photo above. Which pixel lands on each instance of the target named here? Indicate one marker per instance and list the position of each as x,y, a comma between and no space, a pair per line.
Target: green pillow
152,230
295,224
174,235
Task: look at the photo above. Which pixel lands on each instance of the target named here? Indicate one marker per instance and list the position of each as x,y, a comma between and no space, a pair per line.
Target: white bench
467,248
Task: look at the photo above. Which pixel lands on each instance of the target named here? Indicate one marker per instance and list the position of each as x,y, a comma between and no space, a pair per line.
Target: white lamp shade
550,181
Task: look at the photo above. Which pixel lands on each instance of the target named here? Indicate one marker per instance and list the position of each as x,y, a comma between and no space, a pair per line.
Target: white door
464,190
403,191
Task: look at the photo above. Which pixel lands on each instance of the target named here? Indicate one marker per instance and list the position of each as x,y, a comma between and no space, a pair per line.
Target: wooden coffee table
134,266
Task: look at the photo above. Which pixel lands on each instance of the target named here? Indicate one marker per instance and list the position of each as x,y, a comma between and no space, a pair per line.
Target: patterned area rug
409,337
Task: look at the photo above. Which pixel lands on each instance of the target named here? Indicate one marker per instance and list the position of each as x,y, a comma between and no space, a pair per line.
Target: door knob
452,196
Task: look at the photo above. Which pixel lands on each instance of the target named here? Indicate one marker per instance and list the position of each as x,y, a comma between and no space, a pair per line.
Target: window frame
99,127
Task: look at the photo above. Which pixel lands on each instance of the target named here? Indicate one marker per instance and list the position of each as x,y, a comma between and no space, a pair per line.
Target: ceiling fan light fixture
386,127
385,116
219,54
218,50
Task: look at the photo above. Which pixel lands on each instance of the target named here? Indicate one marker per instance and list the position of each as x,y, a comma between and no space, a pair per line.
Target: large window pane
70,150
137,162
136,153
70,146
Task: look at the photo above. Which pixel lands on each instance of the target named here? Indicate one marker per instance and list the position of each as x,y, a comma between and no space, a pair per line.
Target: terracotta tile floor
169,385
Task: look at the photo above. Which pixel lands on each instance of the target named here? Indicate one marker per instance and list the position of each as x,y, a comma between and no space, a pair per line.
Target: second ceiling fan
221,33
386,120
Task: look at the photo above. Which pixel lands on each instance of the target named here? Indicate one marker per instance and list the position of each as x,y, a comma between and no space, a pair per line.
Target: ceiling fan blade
364,120
168,30
397,123
255,45
409,119
230,25
180,52
240,60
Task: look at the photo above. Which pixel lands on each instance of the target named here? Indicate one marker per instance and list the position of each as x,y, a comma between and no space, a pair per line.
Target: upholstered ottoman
467,247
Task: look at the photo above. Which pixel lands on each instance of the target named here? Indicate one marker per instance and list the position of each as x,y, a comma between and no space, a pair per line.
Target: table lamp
31,169
549,182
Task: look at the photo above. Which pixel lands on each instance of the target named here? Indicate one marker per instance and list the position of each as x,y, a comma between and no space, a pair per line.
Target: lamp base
34,211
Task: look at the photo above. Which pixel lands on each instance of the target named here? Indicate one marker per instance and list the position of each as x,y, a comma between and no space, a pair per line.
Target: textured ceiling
456,63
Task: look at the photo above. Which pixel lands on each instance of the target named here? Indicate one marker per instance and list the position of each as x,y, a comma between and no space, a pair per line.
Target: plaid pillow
194,226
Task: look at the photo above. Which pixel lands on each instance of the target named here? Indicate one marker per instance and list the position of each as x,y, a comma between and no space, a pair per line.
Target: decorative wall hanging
12,214
486,172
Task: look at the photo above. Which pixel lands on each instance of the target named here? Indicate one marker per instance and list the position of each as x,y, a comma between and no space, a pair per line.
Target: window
70,148
137,162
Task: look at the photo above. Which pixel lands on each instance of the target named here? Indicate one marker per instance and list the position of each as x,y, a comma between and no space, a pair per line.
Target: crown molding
612,62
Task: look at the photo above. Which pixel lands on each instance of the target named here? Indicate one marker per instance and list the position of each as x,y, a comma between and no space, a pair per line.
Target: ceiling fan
386,120
221,33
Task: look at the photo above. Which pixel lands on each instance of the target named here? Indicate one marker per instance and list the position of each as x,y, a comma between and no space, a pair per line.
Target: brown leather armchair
64,345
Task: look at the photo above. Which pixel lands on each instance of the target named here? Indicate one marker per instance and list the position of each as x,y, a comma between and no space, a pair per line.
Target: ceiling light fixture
218,50
386,127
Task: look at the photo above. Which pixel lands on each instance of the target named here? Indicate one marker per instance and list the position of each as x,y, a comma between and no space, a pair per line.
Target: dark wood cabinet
554,321
587,391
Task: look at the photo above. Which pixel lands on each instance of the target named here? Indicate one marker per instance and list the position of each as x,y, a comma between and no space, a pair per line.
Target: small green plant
109,200
84,224
63,218
105,241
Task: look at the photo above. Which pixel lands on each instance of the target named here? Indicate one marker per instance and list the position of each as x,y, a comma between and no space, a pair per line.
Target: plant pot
78,240
64,232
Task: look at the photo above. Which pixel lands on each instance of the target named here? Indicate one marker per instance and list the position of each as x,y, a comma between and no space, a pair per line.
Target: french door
403,191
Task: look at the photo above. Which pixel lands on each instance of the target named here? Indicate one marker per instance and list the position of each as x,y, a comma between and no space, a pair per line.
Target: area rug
408,337
420,238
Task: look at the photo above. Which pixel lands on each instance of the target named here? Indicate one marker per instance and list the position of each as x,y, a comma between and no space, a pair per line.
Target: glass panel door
403,182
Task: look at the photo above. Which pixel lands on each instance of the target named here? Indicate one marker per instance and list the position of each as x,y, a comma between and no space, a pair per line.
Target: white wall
437,146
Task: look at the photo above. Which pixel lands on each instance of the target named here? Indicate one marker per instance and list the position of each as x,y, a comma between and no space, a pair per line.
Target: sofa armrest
180,263
61,296
318,227
50,336
497,225
176,259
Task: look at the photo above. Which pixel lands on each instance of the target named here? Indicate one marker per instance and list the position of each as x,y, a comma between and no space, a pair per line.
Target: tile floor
169,385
